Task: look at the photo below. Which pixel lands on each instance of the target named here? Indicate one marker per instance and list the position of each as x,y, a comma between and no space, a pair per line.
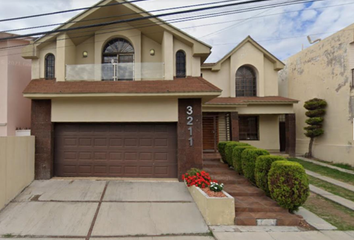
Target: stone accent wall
42,129
189,156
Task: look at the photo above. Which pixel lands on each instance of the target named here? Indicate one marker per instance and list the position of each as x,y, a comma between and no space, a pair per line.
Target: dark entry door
115,150
210,133
282,136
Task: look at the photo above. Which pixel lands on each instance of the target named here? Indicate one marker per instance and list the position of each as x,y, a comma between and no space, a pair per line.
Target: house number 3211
190,124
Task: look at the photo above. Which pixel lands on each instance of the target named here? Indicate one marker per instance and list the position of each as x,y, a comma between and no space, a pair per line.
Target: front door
210,133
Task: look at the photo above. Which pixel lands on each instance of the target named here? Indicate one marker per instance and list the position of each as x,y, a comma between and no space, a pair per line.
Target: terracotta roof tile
250,100
178,85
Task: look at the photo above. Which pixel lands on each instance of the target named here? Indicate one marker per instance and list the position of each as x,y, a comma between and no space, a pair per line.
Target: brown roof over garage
178,85
251,100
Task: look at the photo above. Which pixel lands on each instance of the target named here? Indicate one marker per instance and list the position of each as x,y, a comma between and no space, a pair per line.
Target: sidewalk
277,233
337,199
331,180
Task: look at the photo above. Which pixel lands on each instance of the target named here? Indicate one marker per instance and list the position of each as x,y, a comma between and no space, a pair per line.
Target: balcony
115,72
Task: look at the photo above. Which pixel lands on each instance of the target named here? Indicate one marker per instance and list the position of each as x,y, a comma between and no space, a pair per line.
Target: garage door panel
116,150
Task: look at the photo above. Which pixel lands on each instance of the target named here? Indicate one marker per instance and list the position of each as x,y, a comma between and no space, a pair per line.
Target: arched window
120,52
49,66
246,82
180,64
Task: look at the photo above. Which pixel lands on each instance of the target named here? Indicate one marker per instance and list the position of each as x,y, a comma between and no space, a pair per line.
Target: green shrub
221,149
288,184
236,157
316,113
229,149
315,103
263,165
248,158
314,121
314,133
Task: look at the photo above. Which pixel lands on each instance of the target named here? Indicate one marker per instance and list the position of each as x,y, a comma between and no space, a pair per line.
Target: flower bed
215,210
216,205
212,193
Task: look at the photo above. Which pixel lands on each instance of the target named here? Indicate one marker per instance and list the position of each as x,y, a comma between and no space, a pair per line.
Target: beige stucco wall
268,133
67,53
115,110
3,88
221,78
248,54
38,70
89,47
267,109
178,45
16,166
146,45
324,71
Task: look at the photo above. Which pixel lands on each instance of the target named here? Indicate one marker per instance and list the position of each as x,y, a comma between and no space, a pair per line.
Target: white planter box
215,210
21,133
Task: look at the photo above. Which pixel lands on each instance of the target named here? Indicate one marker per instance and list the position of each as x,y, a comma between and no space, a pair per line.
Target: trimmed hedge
288,184
263,165
248,158
221,149
236,157
229,149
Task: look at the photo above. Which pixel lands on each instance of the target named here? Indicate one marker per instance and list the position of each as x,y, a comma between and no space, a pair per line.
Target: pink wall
19,75
14,108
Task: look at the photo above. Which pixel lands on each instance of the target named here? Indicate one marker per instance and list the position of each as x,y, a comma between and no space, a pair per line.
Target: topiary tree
249,157
288,184
236,157
221,149
229,149
263,165
316,111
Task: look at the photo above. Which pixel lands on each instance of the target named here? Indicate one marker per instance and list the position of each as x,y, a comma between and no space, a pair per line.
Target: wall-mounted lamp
84,54
152,52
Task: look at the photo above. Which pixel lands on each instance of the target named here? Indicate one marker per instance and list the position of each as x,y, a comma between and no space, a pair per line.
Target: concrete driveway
89,209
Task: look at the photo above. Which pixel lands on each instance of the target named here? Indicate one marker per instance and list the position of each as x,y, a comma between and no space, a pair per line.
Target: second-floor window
246,82
180,64
118,60
49,66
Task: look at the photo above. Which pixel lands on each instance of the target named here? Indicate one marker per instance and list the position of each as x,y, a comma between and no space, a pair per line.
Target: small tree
316,111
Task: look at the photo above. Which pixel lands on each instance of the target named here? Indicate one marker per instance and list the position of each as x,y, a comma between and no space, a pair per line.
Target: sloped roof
216,66
251,100
92,13
178,85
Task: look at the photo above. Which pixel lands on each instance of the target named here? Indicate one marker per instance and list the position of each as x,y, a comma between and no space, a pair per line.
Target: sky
281,30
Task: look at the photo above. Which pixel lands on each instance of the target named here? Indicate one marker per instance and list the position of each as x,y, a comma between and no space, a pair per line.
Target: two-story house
249,108
129,99
15,74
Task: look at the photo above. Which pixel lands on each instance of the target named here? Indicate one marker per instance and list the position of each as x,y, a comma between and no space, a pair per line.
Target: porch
263,122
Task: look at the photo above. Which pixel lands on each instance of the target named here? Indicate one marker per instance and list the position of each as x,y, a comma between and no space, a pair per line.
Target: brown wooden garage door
115,150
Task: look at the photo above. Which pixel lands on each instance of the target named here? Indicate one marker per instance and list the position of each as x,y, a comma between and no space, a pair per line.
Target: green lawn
325,171
342,192
335,214
340,165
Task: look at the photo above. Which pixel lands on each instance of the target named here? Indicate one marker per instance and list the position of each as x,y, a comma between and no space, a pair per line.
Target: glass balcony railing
115,72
